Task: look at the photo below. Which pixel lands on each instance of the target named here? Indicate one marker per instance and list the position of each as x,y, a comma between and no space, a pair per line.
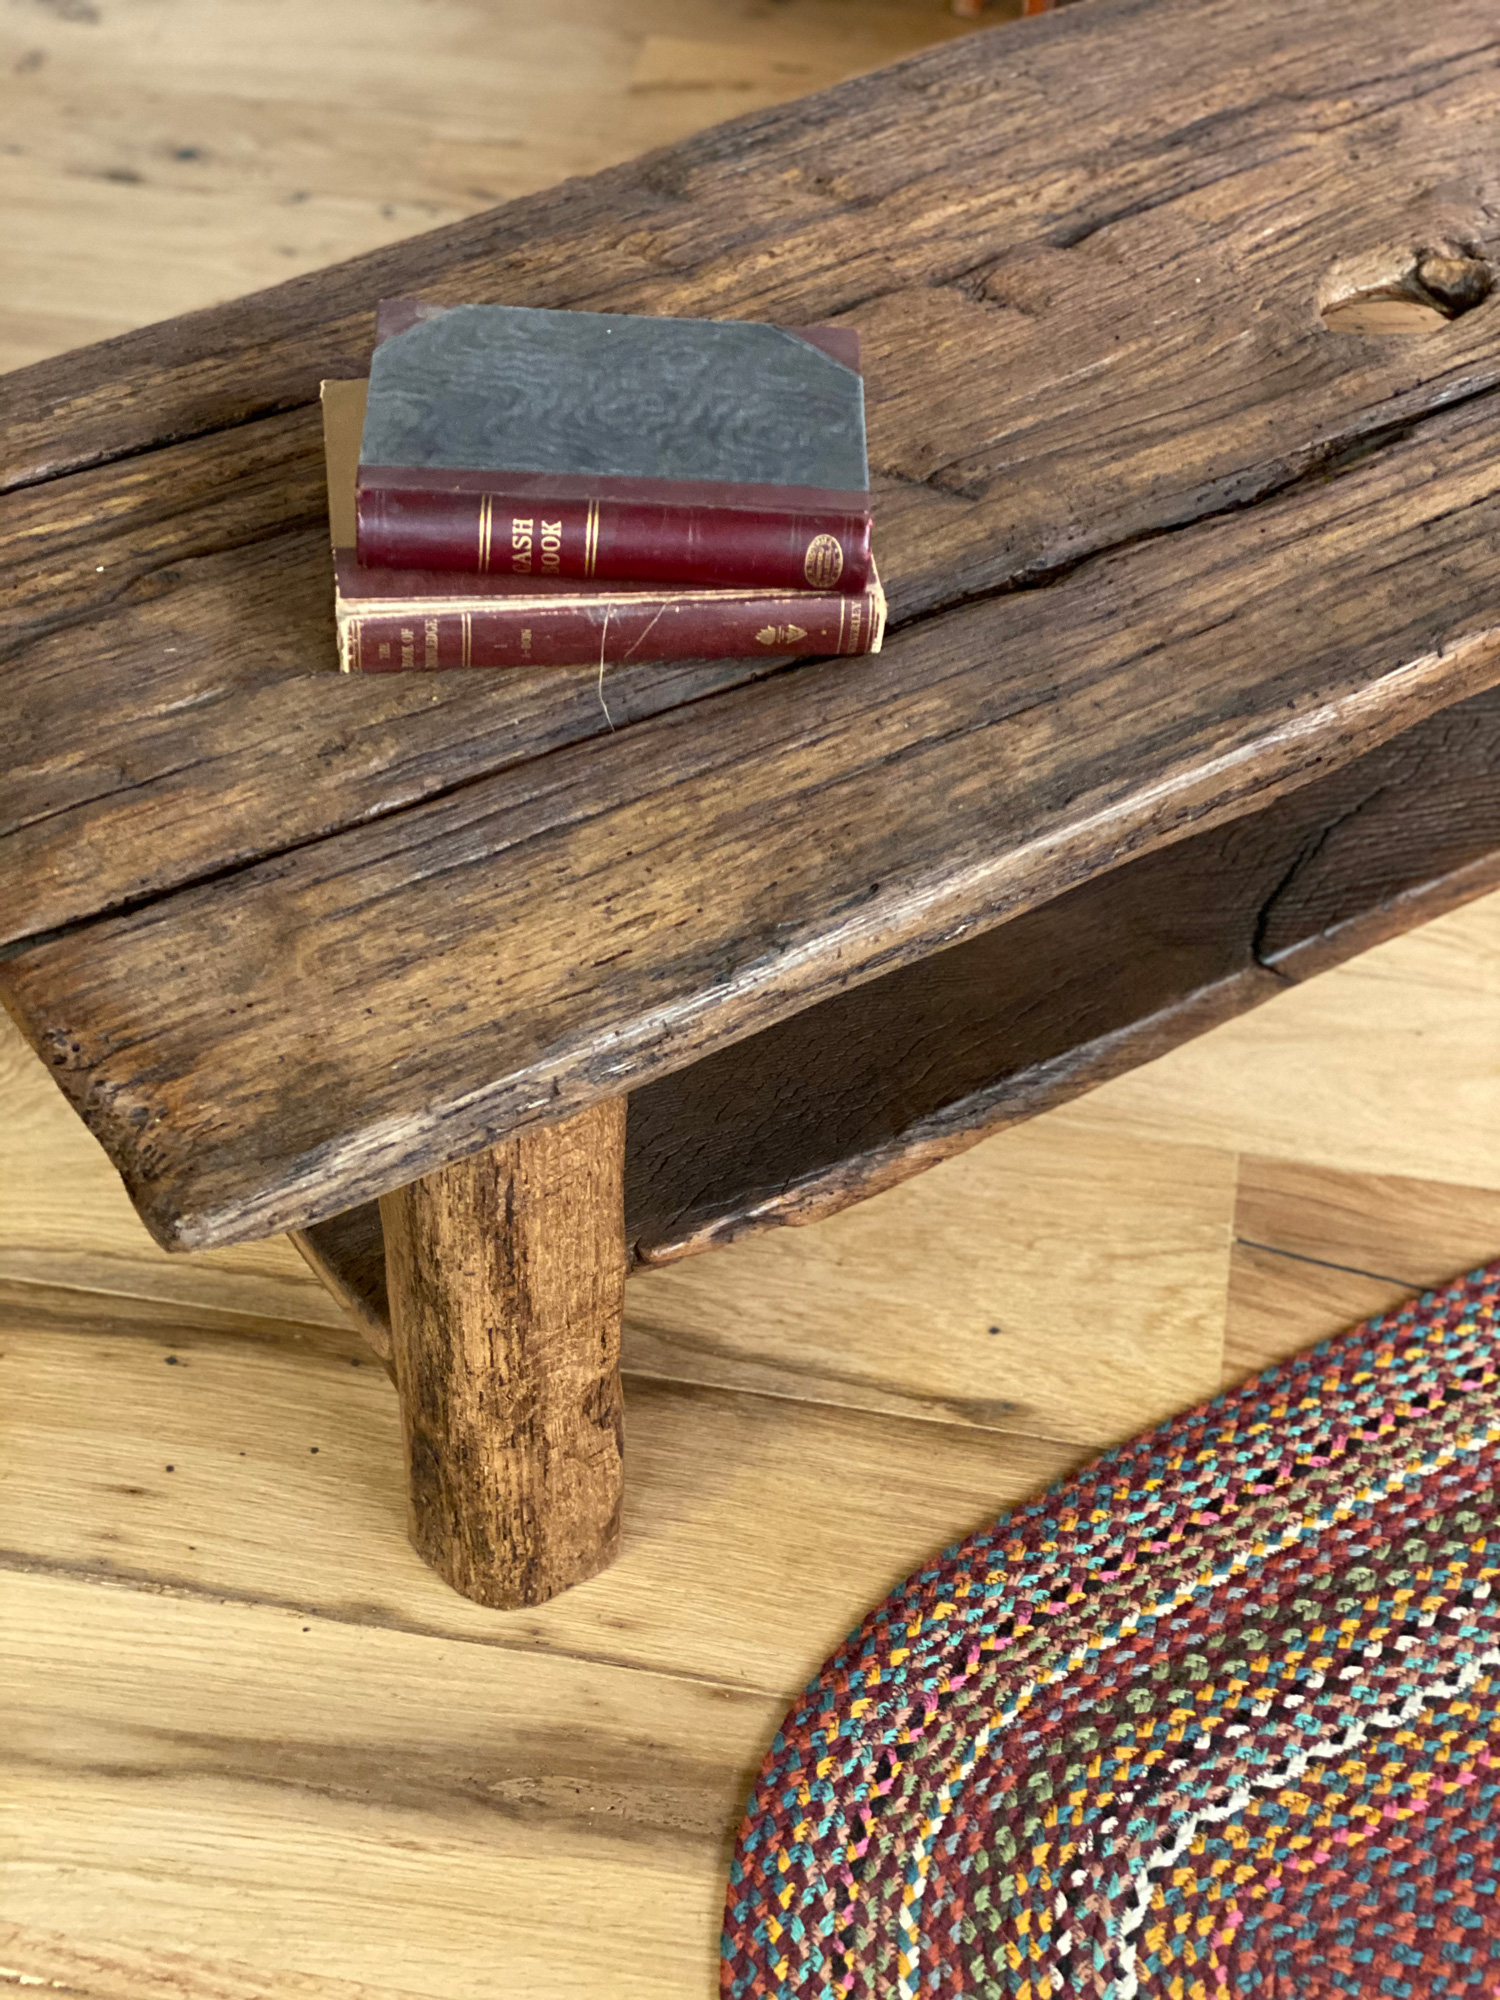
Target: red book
504,440
394,621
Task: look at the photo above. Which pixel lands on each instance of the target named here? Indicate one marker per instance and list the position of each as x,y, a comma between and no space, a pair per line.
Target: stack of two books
516,487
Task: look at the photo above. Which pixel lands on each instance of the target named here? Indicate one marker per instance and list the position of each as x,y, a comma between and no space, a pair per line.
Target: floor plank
1408,1232
268,1469
296,1794
75,1971
1316,1251
1057,1281
168,154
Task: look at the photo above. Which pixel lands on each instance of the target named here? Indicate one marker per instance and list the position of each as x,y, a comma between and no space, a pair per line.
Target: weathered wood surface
977,170
1087,256
282,1042
874,1084
506,1276
347,1255
196,585
882,1080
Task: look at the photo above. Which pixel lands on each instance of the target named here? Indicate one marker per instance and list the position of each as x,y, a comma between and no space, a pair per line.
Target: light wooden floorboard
847,1311
161,155
1347,1246
376,1806
63,1966
270,1470
253,1747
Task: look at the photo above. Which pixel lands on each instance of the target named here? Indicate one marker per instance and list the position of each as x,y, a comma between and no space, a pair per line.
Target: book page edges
343,426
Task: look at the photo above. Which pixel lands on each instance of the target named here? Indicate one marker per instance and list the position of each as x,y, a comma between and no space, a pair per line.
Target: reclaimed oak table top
1167,555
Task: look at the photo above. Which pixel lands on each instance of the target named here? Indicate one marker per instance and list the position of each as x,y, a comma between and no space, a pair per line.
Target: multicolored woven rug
1221,1716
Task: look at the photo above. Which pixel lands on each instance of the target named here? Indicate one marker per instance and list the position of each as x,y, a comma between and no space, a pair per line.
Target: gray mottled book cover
521,389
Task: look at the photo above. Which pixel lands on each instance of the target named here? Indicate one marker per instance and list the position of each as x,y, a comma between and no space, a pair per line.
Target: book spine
597,633
611,540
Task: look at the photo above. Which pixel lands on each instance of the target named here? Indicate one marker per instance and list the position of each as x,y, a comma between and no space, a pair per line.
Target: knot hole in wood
1404,291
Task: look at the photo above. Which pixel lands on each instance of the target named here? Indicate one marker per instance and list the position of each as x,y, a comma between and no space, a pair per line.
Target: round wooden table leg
506,1273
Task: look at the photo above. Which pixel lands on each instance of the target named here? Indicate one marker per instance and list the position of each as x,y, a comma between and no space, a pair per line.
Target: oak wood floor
254,1747
164,154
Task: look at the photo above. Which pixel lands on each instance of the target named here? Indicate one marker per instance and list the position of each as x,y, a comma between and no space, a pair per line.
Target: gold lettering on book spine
486,529
590,537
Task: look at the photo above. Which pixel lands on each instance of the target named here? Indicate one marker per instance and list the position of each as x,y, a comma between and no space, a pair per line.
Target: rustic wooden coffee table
1190,691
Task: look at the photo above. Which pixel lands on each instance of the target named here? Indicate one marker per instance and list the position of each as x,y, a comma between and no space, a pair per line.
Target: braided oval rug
1218,1717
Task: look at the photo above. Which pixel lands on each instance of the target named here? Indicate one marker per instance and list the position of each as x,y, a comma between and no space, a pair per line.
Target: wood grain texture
1388,1065
882,1081
850,1311
1317,1250
666,889
1084,324
109,1971
505,1275
1415,1233
198,584
362,1805
287,1489
565,930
